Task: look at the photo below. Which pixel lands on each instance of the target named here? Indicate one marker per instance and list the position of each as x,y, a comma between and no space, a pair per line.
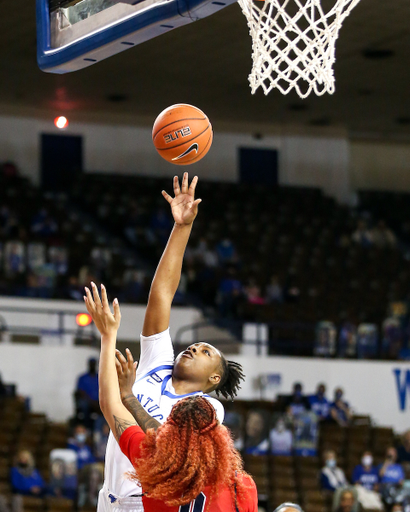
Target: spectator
346,501
274,291
226,251
403,451
78,443
86,394
253,293
25,478
43,224
366,474
230,292
205,255
362,236
390,472
331,476
319,404
297,403
383,236
14,258
340,410
281,439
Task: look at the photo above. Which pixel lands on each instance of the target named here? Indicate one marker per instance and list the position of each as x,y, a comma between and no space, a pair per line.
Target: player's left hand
126,371
99,309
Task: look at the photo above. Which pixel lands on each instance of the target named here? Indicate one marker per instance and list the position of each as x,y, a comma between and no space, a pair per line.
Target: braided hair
232,374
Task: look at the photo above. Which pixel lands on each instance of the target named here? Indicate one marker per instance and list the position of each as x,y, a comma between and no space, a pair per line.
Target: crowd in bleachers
303,448
288,255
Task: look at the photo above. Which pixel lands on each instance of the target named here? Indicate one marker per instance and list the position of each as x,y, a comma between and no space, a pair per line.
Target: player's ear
215,379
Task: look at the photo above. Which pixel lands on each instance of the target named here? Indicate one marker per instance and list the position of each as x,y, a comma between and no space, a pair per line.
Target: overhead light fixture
83,319
61,122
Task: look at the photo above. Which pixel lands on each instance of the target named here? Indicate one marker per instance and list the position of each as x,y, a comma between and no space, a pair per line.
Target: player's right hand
105,321
126,371
184,206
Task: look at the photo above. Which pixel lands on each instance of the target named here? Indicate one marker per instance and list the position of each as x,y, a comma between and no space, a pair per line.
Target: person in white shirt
162,381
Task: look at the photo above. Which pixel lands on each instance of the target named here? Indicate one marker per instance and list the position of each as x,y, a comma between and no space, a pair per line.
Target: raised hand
184,206
99,309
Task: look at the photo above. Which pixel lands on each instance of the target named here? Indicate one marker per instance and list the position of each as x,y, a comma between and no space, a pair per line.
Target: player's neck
183,387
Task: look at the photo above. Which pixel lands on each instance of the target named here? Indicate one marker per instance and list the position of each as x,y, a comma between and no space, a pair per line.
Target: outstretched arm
166,280
117,416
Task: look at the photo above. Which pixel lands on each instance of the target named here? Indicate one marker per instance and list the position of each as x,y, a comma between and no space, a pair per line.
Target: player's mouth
187,353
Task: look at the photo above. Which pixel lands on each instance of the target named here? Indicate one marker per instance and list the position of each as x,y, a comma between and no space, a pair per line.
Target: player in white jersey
161,381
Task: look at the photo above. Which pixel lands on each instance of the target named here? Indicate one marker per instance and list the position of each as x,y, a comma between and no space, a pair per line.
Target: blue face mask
331,463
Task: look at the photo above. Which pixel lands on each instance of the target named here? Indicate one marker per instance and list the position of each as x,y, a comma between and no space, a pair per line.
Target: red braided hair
187,453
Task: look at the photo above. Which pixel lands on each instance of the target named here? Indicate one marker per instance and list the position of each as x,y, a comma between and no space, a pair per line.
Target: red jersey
130,442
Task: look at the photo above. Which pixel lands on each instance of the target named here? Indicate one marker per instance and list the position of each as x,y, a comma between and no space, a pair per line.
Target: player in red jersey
189,463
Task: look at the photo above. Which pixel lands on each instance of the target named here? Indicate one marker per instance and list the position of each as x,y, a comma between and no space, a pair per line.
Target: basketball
182,134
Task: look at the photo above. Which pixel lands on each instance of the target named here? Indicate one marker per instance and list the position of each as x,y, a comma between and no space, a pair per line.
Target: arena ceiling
207,64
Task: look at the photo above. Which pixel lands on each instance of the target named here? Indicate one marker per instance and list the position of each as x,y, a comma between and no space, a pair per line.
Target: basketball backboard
74,34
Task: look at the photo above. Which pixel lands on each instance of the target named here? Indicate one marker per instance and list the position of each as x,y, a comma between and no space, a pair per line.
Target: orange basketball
182,134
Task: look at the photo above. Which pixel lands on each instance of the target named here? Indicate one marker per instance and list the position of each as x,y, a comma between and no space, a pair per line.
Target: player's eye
207,352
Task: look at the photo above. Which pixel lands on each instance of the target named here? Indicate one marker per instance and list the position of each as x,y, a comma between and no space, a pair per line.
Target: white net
293,43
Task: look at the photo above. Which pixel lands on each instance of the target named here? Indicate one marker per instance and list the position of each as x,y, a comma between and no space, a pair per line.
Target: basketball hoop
293,43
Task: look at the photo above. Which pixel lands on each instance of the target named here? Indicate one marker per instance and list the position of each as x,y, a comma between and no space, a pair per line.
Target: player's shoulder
159,336
219,408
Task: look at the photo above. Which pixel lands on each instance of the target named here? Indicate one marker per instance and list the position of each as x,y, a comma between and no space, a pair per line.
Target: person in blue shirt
340,410
86,394
390,472
365,473
78,443
319,404
25,478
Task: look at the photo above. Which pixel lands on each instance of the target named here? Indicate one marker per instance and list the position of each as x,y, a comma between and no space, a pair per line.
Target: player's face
200,359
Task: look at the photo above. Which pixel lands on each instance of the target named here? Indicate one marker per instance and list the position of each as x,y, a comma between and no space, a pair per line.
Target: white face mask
367,460
81,437
331,463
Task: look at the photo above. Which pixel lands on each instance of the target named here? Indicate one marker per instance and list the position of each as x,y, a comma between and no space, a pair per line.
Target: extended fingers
118,367
89,302
192,186
104,299
130,359
184,188
177,190
167,196
120,358
96,295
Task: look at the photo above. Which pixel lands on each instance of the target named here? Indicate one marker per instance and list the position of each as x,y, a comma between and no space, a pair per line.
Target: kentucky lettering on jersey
153,389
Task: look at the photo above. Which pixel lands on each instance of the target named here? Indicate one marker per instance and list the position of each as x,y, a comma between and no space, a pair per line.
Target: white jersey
153,388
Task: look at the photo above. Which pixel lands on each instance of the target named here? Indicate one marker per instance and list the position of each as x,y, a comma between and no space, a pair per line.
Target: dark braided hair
232,374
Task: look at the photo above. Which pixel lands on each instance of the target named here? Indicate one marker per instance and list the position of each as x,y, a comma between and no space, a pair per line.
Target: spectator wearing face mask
319,404
340,410
390,472
281,439
78,443
366,474
25,480
331,476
